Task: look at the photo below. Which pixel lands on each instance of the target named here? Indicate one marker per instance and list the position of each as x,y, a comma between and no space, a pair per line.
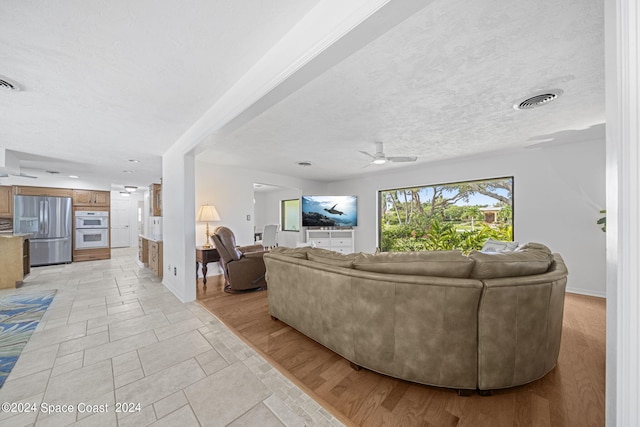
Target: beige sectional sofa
483,321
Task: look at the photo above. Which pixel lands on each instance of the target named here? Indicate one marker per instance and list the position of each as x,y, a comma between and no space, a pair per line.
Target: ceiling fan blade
402,159
367,154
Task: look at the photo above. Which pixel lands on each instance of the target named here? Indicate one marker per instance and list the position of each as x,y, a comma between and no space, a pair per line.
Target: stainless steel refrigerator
48,221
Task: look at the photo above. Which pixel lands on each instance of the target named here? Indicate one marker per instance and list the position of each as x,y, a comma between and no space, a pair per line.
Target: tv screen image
329,211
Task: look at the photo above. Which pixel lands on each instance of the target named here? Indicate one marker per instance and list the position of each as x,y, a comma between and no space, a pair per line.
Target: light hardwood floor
570,395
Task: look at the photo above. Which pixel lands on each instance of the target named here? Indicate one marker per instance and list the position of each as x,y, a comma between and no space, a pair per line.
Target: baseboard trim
174,291
587,293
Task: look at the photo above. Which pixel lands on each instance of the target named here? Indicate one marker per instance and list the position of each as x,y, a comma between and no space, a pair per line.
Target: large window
459,215
290,215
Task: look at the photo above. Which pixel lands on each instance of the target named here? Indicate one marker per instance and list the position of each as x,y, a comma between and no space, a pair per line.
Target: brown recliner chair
243,266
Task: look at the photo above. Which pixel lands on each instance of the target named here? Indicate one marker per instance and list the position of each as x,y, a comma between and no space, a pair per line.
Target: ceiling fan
380,158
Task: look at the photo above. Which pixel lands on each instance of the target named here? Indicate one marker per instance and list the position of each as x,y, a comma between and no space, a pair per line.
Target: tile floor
116,348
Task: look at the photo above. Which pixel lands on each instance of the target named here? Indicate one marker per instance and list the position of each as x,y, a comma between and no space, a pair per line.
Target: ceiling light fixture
134,161
130,188
125,193
127,171
52,172
74,176
537,99
304,164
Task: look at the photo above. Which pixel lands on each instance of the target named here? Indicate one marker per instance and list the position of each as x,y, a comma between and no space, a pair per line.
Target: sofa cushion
292,252
532,258
330,257
426,263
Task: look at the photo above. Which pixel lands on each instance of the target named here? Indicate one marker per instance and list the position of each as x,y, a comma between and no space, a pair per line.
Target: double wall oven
91,229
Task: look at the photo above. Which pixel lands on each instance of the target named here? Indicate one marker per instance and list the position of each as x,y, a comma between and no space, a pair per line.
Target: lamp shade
208,213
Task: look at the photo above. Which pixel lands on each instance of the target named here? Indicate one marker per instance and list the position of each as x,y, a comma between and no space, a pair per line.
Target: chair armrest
254,254
251,248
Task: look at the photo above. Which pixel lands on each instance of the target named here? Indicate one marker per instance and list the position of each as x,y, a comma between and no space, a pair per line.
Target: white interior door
120,233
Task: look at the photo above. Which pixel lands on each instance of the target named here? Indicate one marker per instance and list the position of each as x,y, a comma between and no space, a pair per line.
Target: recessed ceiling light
127,171
537,99
74,176
134,161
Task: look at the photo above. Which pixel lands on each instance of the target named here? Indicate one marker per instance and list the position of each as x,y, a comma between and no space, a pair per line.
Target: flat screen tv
329,211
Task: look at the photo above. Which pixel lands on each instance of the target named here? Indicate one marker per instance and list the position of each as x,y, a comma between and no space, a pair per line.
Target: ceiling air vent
537,100
7,84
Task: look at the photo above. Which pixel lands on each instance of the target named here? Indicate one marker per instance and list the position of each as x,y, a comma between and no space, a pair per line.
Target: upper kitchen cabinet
91,198
6,201
155,200
43,191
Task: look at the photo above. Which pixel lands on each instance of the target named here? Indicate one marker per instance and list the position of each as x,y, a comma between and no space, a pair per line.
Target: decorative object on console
205,214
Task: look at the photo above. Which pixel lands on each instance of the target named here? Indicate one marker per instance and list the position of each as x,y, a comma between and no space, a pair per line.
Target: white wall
230,189
261,209
558,192
270,203
178,227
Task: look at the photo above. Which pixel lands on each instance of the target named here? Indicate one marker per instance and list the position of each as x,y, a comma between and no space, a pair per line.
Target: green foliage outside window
443,217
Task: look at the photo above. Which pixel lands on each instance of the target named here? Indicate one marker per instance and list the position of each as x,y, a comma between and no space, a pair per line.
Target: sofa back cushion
532,258
427,263
292,252
336,259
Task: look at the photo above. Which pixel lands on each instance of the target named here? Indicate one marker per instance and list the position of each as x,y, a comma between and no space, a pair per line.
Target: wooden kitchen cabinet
155,200
91,198
6,201
143,250
155,257
14,260
43,191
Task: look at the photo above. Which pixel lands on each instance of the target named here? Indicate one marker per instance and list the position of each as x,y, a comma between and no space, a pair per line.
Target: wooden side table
205,256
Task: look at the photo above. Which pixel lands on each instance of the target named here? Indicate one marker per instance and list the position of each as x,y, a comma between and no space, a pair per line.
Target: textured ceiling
440,85
108,81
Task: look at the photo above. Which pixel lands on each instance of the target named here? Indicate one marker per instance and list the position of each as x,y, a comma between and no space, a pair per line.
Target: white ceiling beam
330,32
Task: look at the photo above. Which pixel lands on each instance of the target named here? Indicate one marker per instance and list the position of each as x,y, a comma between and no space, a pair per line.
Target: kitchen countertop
151,238
12,234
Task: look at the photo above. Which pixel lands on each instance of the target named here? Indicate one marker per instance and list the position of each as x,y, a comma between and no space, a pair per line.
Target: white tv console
335,240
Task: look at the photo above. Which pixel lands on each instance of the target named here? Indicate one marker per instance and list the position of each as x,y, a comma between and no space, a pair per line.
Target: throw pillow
496,246
533,258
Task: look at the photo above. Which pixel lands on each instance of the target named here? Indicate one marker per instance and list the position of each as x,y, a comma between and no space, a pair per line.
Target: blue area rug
19,316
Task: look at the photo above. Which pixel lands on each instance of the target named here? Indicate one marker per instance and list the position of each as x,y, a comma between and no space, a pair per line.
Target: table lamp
205,214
